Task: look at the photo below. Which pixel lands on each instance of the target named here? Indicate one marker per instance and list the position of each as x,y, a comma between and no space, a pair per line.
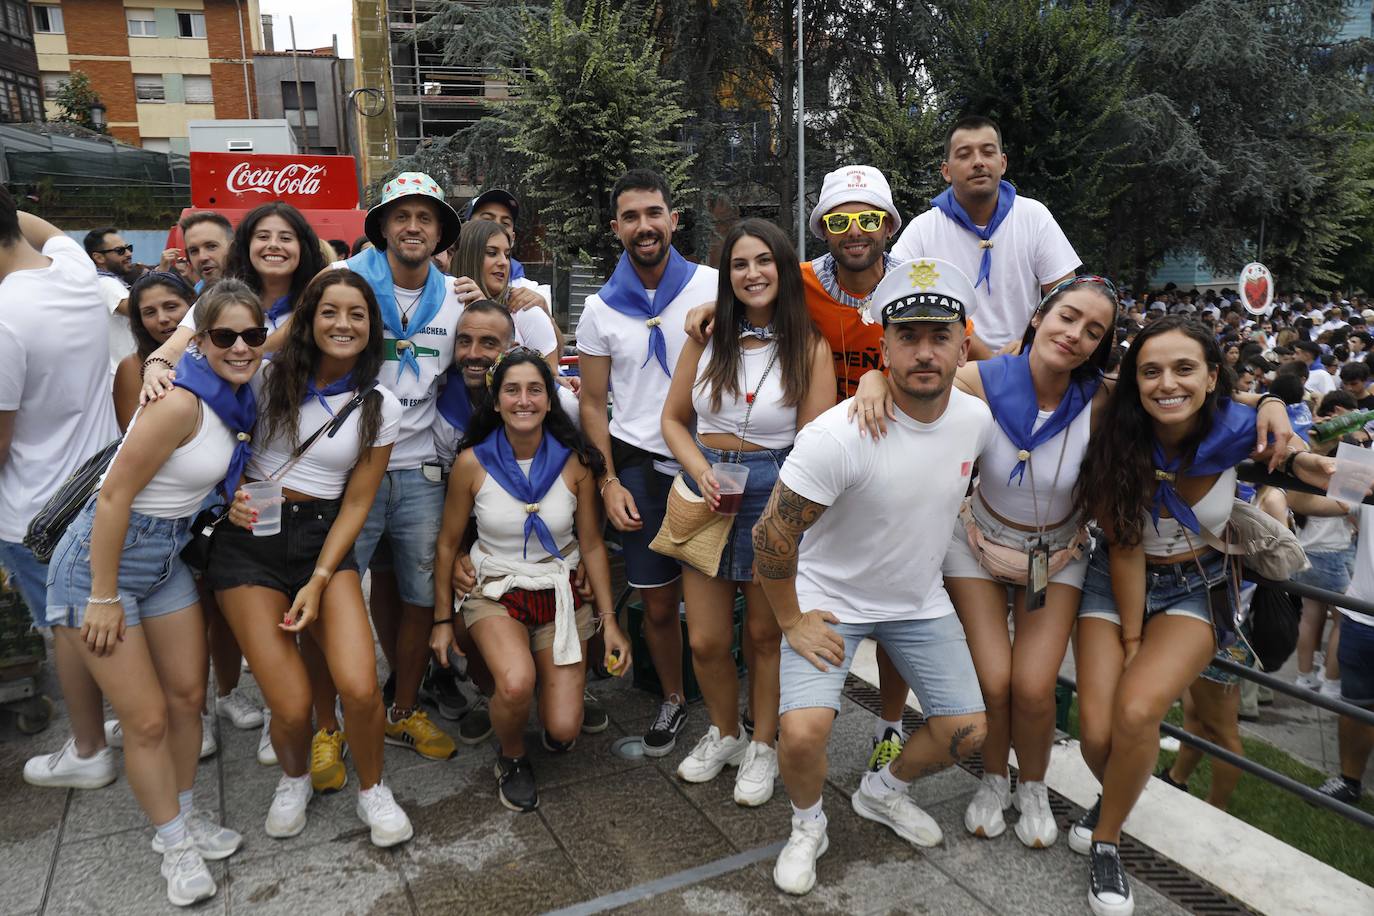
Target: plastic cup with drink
731,478
264,498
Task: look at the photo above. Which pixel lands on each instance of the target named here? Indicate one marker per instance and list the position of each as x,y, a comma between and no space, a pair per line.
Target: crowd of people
951,442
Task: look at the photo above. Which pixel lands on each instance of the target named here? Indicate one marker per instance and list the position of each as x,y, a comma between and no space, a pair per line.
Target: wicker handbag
691,532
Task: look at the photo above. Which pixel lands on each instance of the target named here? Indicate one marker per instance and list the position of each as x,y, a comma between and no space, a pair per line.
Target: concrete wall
271,70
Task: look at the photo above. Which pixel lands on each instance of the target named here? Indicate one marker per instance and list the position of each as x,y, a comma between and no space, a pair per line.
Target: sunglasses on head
1086,278
122,249
838,223
224,338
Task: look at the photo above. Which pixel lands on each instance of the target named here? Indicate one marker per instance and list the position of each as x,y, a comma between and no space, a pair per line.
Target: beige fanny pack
1009,564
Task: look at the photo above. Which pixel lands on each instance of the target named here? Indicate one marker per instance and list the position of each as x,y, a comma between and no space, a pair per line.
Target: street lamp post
801,138
98,115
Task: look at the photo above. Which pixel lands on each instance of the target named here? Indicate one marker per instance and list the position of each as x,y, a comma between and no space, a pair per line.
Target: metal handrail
1303,791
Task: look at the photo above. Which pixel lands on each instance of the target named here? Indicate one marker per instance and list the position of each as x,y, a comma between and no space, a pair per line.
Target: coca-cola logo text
293,178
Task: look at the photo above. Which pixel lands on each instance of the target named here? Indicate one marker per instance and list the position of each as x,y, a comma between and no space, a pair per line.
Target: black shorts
283,561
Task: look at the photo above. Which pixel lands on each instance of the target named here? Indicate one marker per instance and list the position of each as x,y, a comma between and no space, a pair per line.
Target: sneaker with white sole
1081,833
286,817
208,744
711,755
758,773
1036,829
377,809
899,813
238,709
1331,689
1109,891
1312,680
114,733
64,769
795,870
661,737
267,755
984,817
188,880
212,841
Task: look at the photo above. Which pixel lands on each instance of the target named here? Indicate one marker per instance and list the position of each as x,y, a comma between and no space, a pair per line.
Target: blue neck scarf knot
497,458
946,203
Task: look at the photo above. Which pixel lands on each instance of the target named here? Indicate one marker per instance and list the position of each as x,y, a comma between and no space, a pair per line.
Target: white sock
881,726
172,833
367,793
883,782
184,800
814,813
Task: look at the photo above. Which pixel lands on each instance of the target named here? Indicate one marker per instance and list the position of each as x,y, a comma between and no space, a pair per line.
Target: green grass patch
1322,834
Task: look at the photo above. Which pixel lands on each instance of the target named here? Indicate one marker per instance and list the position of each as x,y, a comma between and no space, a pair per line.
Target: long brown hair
295,364
795,332
471,252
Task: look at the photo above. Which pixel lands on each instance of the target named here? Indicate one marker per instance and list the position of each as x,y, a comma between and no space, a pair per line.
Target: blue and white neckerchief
765,333
824,266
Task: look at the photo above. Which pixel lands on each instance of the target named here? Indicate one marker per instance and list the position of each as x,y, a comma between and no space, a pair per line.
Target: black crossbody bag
196,553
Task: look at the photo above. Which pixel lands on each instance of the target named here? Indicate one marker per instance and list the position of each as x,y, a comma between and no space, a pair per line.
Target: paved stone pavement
604,825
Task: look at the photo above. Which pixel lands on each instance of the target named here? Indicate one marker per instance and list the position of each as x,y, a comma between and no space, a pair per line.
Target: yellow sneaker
419,734
327,770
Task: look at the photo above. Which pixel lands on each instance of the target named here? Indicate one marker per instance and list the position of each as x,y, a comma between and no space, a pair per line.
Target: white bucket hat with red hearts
413,184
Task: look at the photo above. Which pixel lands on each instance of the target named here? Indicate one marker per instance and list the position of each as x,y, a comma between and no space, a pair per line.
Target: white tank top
1326,534
501,519
1212,511
772,424
1014,501
190,473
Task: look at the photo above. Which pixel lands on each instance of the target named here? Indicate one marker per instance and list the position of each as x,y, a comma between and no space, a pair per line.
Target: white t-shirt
122,341
1320,382
914,479
434,352
323,471
1029,250
639,389
54,371
1362,582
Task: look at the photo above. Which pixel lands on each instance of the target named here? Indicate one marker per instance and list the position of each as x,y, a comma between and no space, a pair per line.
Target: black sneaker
475,727
1341,789
515,783
557,747
595,719
389,691
1081,831
441,688
661,737
1109,893
1164,775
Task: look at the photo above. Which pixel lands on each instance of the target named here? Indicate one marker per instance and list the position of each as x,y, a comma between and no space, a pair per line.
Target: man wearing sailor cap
850,579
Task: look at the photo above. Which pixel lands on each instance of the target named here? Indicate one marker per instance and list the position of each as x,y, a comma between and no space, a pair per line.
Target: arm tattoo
779,531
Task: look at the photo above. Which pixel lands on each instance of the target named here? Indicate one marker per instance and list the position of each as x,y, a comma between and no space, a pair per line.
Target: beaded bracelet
115,600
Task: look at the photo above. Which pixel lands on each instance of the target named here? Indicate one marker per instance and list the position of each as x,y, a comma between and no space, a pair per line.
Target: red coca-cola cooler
323,188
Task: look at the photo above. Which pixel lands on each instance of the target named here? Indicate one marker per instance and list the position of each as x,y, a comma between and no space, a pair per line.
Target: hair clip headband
516,350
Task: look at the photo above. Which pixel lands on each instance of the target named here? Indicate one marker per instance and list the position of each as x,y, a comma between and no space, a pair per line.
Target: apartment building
19,98
310,90
156,64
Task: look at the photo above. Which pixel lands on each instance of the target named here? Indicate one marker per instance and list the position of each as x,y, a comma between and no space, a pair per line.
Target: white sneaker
1309,681
208,745
212,841
757,774
1331,689
984,815
238,709
711,755
379,811
114,733
900,813
267,756
286,817
1036,829
64,769
188,880
795,870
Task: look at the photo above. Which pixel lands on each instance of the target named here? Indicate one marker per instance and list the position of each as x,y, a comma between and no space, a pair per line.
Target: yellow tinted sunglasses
838,223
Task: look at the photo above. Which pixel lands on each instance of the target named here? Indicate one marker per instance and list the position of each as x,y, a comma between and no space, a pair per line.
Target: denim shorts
1329,571
284,561
1176,589
152,579
1356,655
409,509
737,560
28,576
649,487
961,562
931,655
